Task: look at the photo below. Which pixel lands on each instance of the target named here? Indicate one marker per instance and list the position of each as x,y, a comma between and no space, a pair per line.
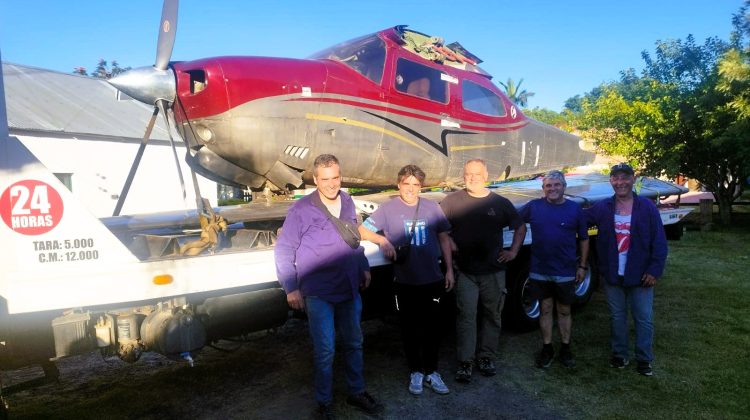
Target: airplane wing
585,189
165,231
582,188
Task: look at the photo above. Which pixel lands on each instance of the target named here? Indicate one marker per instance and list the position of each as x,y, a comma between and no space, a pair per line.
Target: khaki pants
485,292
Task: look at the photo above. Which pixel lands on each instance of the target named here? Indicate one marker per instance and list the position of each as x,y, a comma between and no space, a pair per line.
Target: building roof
40,100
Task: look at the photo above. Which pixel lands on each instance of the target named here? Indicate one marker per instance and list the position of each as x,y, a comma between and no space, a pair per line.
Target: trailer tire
590,283
674,231
521,313
3,408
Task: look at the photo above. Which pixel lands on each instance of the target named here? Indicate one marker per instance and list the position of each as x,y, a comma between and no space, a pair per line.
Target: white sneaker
435,382
415,384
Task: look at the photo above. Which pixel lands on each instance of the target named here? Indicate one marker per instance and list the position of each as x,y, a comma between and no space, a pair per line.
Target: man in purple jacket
632,250
321,267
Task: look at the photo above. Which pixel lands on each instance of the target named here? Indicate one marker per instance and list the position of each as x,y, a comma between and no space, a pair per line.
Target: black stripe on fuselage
442,148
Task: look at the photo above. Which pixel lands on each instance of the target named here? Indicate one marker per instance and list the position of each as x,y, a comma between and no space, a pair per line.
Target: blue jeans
640,300
323,320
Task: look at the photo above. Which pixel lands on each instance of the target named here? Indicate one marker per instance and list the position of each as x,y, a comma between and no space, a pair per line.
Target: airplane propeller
167,33
154,85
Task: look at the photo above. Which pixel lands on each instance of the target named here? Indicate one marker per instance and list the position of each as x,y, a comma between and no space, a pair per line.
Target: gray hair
555,174
324,161
476,160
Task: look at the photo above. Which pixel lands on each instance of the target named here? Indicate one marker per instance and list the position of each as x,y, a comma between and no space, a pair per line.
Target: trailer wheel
3,408
520,312
674,231
590,283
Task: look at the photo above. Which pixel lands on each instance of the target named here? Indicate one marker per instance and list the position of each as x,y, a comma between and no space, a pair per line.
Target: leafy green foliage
683,63
734,70
547,116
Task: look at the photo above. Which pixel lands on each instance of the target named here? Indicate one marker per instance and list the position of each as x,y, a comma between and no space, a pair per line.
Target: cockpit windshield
365,55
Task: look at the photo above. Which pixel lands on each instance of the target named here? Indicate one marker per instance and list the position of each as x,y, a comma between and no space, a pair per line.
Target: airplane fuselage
253,119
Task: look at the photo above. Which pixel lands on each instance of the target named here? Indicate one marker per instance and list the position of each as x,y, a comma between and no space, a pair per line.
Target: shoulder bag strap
346,230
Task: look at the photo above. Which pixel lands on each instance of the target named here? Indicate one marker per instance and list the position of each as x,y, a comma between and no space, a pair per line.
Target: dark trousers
419,314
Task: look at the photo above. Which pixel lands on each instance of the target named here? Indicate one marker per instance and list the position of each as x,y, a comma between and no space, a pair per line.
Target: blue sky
560,48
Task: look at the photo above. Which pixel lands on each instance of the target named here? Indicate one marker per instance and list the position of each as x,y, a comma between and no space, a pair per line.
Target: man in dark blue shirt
558,228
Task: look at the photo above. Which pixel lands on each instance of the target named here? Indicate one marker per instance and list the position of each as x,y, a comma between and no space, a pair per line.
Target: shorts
563,292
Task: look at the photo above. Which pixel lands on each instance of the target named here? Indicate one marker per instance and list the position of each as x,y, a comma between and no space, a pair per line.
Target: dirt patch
270,376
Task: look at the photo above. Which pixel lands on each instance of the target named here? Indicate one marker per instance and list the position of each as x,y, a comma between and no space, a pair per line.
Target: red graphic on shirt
622,233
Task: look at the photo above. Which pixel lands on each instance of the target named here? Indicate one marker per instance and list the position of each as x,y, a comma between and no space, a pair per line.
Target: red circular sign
31,207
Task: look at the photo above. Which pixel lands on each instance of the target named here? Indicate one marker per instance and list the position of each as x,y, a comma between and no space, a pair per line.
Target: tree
103,70
734,67
717,140
573,104
557,119
515,94
682,116
630,127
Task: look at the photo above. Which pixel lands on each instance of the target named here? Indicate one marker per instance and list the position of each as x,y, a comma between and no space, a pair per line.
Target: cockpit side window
481,100
365,55
419,80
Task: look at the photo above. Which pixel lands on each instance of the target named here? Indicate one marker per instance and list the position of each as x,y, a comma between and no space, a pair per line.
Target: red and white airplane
377,102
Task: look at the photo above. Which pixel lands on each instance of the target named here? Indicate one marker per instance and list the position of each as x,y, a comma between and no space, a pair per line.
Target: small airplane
378,102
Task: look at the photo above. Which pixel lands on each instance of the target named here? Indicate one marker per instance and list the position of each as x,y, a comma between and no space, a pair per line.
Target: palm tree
515,94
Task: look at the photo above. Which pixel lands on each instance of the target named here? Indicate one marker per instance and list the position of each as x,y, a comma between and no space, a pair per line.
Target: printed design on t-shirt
622,233
491,212
419,237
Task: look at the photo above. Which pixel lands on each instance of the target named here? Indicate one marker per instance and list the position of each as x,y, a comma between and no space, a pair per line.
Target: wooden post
707,211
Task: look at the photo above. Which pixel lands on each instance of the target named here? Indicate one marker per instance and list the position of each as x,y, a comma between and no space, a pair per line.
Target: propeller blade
162,105
136,162
167,32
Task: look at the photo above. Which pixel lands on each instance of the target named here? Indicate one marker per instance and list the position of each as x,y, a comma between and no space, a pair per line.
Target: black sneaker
618,362
325,412
365,402
463,374
486,367
544,358
644,368
566,357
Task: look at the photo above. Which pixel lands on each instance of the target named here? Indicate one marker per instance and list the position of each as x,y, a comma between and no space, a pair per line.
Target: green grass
702,337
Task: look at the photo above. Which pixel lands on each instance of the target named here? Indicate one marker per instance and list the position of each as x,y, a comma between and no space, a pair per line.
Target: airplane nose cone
147,84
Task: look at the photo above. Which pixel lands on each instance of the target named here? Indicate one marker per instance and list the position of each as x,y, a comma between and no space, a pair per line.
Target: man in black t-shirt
477,217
